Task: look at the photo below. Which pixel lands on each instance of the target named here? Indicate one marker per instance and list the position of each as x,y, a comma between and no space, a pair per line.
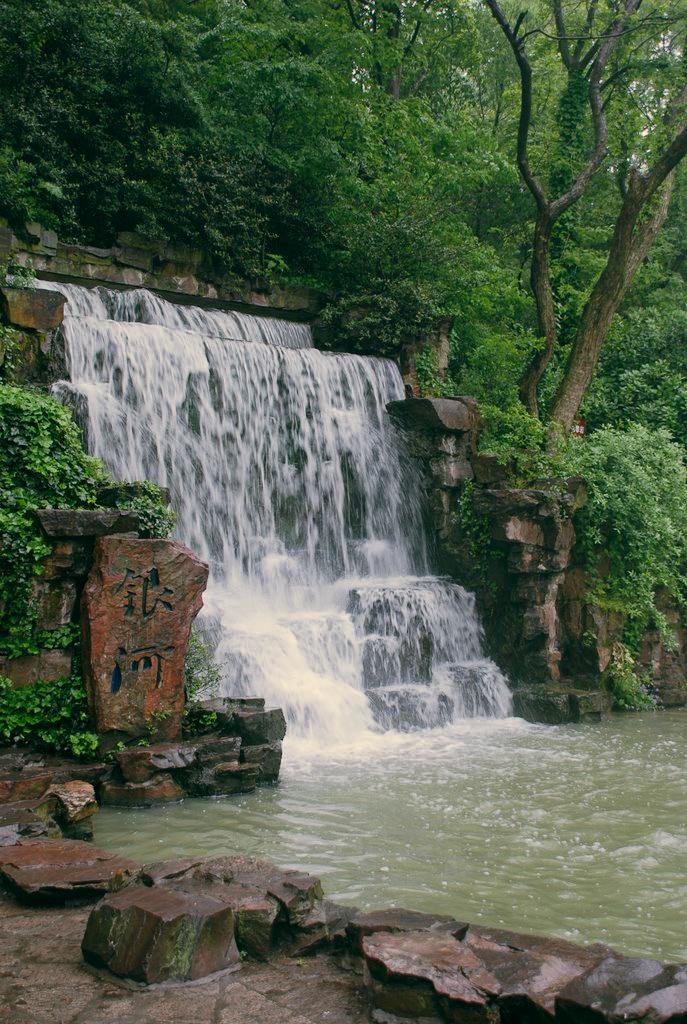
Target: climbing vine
52,716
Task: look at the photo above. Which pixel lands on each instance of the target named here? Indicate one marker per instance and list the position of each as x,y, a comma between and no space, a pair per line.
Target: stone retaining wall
515,547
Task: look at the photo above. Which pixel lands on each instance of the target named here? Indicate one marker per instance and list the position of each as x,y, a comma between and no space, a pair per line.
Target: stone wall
515,548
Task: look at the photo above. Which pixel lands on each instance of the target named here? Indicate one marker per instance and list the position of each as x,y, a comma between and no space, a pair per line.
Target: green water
578,831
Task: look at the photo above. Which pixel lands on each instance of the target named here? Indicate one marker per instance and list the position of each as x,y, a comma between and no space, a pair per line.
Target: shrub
42,463
636,513
51,716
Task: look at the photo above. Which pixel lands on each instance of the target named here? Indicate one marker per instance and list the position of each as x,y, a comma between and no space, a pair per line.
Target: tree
604,55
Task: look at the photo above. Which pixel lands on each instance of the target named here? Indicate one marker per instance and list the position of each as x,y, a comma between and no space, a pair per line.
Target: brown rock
414,974
626,989
90,522
531,970
138,605
23,785
69,558
395,919
161,789
214,749
159,934
45,667
36,308
220,779
75,801
140,764
52,871
296,891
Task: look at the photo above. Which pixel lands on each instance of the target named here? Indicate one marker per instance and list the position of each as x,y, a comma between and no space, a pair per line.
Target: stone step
53,871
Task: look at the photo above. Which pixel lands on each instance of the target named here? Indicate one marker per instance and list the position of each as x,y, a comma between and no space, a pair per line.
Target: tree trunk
540,281
630,245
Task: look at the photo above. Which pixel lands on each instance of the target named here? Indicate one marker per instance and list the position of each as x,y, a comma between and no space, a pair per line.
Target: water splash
289,479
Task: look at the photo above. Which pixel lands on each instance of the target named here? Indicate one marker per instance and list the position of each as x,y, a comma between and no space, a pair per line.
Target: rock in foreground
160,934
53,870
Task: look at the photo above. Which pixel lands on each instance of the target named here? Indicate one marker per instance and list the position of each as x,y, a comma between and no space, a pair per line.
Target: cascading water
288,478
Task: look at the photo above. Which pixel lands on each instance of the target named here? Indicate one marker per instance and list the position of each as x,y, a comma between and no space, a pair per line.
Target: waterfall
289,479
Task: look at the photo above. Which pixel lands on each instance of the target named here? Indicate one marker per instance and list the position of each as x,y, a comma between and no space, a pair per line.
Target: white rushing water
288,477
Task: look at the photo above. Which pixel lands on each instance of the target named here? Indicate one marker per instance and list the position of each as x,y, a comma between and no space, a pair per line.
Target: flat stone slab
161,789
442,415
396,919
139,764
89,522
52,871
159,934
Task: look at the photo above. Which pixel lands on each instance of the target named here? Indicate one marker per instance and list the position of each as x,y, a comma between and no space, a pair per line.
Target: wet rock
64,522
158,934
554,706
256,727
161,789
46,666
531,970
296,891
138,605
34,308
626,989
53,871
140,764
449,415
55,602
215,749
26,784
266,758
325,925
75,801
395,920
255,914
168,870
429,974
221,779
17,823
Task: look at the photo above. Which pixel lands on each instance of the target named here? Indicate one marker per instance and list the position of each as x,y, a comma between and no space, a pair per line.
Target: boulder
266,757
140,764
221,779
256,727
428,974
395,920
160,789
55,870
17,823
75,801
553,706
138,605
46,667
216,749
26,784
445,415
89,522
626,989
531,970
159,934
35,308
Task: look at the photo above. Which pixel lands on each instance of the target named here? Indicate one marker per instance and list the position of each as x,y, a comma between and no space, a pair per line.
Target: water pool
578,831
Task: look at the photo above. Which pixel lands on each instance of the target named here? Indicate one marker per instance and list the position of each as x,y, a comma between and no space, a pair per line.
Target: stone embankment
516,548
236,940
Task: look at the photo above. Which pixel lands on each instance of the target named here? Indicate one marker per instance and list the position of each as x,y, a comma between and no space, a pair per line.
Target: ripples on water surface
579,831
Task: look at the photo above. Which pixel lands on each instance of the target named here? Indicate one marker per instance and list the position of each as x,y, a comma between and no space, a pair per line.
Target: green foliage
433,383
630,690
475,534
42,464
18,275
51,716
9,347
636,515
202,677
157,519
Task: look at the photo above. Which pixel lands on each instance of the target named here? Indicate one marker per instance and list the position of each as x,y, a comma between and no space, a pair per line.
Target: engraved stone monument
137,608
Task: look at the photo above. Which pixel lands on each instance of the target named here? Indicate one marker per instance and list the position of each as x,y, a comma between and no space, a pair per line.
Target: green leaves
52,716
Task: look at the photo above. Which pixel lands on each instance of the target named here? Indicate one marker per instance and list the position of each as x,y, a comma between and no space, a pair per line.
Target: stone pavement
44,980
